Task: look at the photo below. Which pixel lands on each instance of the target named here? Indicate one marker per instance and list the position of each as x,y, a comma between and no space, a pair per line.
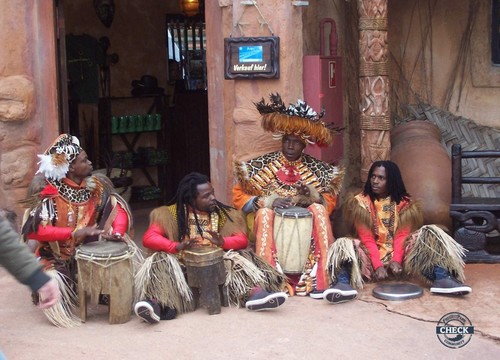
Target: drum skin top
293,211
104,248
199,256
397,291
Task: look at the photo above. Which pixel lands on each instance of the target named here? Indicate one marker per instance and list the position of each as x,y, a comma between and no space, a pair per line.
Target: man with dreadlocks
69,206
197,219
286,178
387,223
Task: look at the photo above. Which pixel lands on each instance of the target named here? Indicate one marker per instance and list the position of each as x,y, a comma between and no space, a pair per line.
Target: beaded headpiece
297,119
54,162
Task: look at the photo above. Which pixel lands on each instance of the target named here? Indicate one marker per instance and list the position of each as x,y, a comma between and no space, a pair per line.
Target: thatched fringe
354,213
434,247
413,216
161,278
340,252
162,217
335,185
274,281
61,313
237,226
316,131
241,276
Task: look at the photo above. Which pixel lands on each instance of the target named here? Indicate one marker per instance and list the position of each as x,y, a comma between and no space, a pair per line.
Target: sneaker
167,313
147,311
264,300
449,286
339,293
316,294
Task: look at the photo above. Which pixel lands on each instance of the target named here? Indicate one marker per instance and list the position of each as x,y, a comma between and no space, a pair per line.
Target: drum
105,267
205,271
397,291
292,237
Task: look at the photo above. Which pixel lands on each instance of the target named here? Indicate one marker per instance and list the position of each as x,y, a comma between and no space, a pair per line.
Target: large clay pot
426,168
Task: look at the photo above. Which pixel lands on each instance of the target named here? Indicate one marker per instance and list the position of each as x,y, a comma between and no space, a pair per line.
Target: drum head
293,211
397,292
104,248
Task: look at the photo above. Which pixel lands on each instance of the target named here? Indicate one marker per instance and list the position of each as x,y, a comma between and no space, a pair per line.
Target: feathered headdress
54,162
297,119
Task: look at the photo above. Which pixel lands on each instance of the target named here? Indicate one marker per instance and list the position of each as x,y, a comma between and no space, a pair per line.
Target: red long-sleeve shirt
155,239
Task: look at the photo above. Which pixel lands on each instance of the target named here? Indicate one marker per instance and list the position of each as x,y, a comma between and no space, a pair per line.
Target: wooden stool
206,272
105,267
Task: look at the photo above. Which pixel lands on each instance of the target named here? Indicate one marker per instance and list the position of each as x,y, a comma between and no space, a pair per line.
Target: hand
302,189
216,238
282,203
395,268
48,294
112,237
381,273
185,244
80,234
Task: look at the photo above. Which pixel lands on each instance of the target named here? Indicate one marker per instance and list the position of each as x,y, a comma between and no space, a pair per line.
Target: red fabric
120,224
235,242
155,239
398,245
51,233
368,240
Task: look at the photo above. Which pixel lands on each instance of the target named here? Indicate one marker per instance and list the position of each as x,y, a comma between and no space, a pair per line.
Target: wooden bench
475,218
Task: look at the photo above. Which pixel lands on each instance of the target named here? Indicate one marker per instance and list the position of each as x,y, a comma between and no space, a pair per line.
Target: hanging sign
251,57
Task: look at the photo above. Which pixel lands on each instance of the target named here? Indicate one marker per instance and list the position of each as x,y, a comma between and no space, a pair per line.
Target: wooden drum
205,271
292,237
105,267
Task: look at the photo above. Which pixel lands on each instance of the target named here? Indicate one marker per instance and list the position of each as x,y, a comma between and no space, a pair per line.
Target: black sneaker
148,311
450,286
339,293
264,300
167,313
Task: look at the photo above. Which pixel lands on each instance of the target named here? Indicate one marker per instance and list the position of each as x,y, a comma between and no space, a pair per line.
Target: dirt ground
303,328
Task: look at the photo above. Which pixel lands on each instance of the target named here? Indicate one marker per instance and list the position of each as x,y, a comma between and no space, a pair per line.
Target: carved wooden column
373,83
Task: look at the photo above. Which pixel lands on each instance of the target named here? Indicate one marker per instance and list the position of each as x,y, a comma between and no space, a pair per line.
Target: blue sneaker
340,292
264,300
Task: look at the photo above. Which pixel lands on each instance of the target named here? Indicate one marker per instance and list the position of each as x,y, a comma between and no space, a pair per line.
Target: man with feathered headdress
291,178
68,206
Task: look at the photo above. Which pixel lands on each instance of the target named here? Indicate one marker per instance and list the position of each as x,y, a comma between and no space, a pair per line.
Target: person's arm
17,258
368,240
155,239
51,233
120,223
241,200
235,242
330,201
398,244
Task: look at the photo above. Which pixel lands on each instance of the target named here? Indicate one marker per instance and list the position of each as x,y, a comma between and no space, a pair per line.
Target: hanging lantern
190,7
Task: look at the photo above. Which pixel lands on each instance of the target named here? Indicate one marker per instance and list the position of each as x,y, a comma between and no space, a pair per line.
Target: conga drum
206,272
292,237
105,267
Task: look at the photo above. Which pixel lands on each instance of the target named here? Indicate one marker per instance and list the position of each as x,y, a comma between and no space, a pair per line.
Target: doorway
117,57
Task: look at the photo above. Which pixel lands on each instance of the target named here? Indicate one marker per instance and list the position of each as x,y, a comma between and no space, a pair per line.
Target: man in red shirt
388,224
197,219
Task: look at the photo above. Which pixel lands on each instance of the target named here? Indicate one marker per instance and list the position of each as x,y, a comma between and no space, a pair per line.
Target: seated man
198,219
67,207
388,225
286,178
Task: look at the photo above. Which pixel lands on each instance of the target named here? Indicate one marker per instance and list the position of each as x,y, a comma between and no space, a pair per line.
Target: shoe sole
146,313
316,296
459,291
268,303
334,296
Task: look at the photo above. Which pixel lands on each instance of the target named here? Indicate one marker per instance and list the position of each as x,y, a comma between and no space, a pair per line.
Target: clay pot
426,168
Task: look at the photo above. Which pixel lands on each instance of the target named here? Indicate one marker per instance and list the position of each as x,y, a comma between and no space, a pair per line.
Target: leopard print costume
259,176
